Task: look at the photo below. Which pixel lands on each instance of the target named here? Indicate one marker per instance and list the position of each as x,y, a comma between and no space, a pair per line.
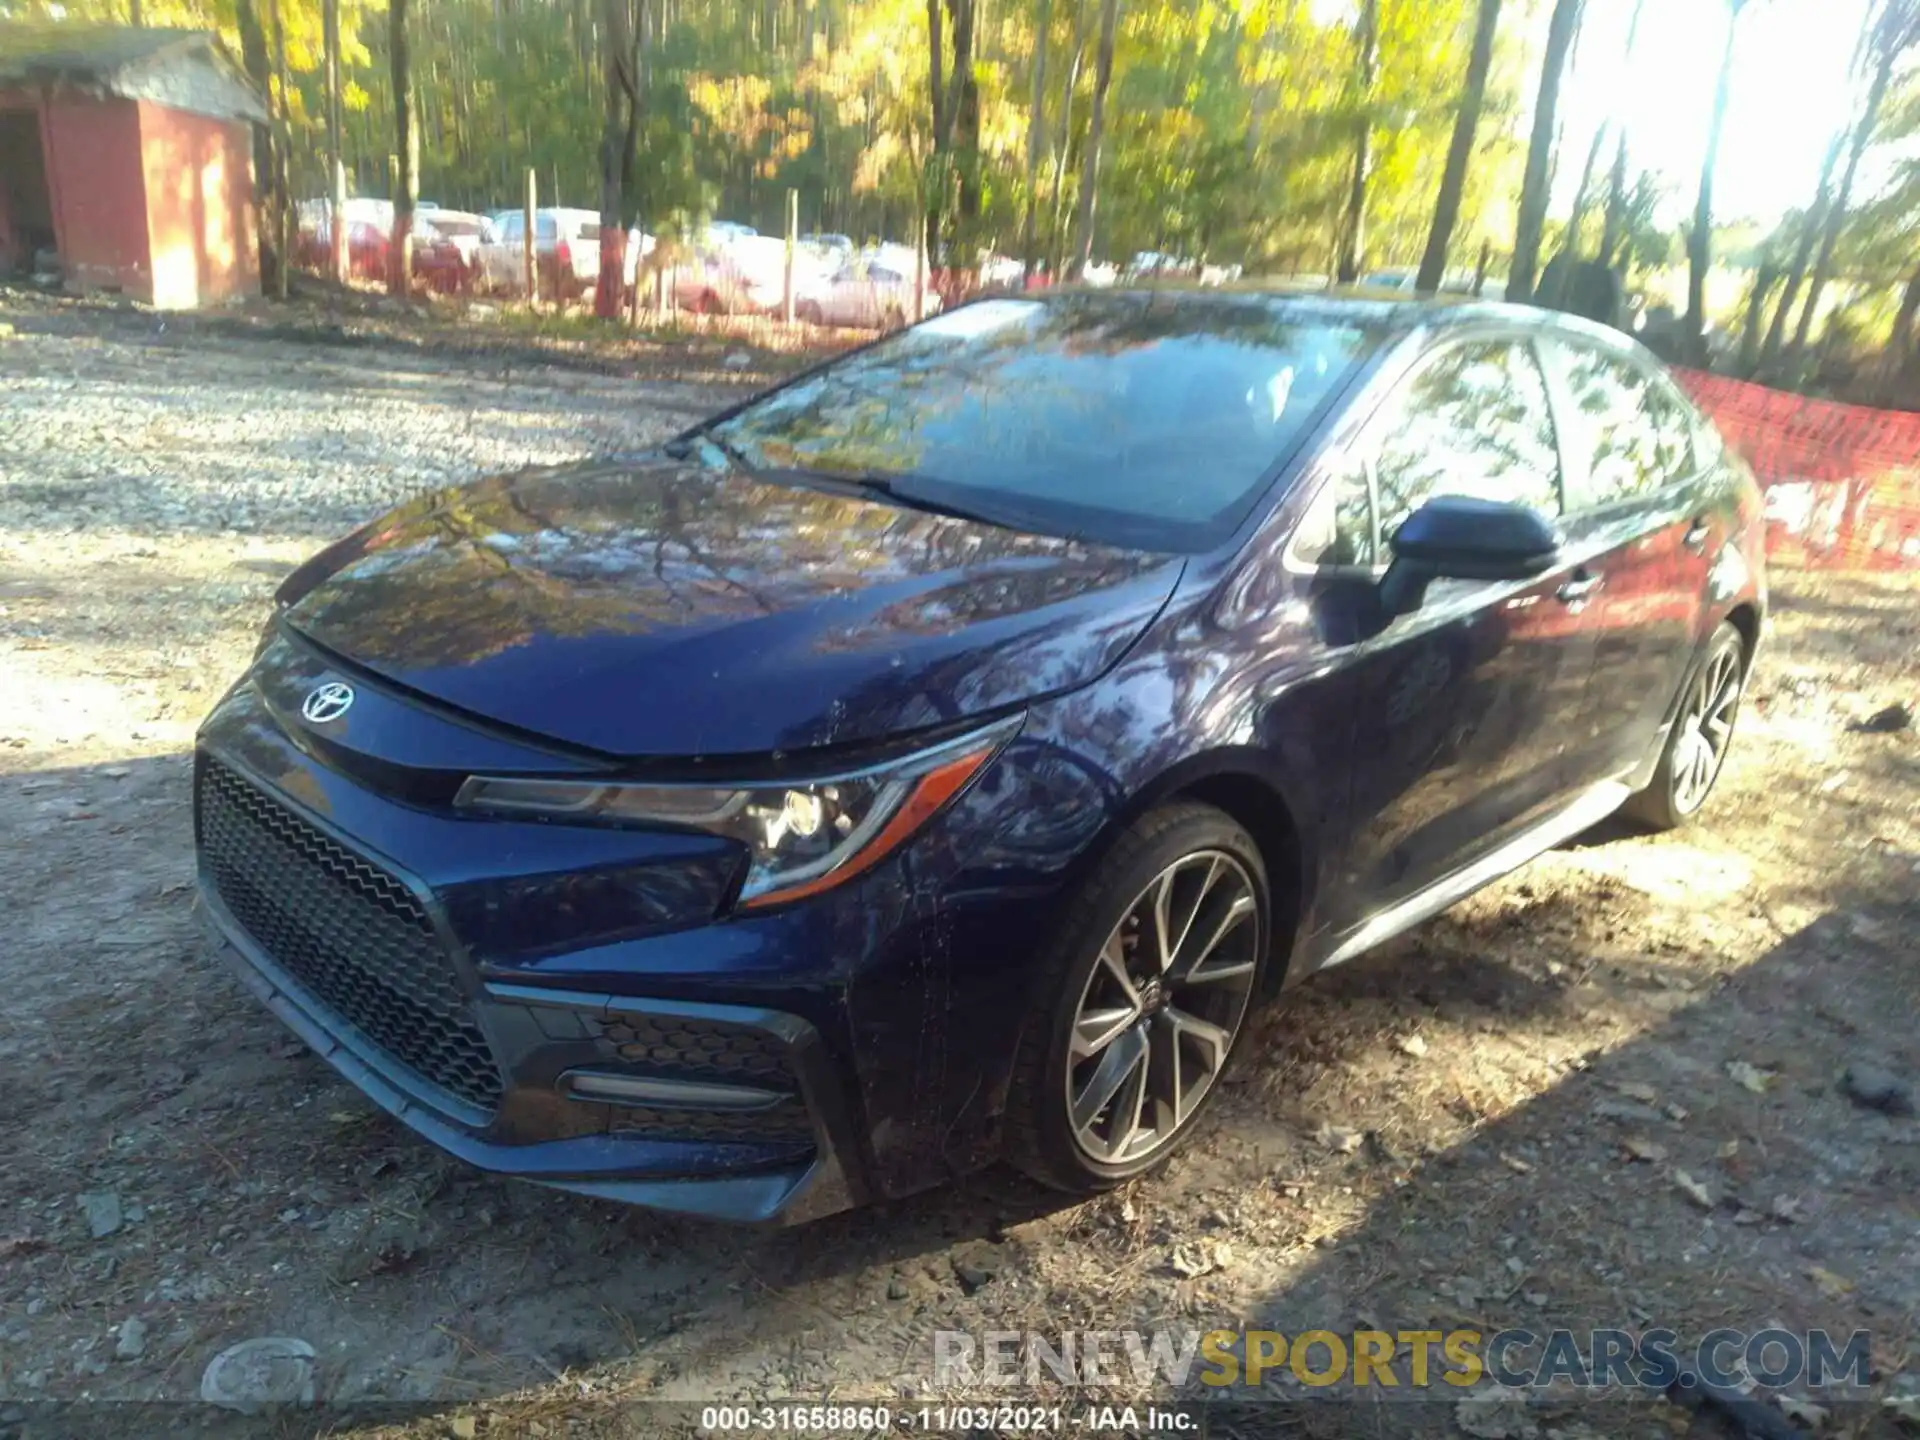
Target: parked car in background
839,247
463,229
566,252
939,757
733,274
873,292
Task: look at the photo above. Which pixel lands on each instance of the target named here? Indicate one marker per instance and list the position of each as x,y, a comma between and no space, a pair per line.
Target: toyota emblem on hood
328,702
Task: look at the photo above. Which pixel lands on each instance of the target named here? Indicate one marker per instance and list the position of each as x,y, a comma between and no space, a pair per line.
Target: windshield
1143,420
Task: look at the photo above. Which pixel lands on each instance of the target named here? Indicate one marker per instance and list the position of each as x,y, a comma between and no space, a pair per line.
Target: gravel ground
1480,1124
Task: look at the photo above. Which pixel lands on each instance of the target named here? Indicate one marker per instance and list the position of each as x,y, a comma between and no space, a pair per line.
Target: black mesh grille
352,934
712,1050
698,1050
783,1124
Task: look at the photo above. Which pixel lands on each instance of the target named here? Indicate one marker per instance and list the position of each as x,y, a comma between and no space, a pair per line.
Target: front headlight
802,837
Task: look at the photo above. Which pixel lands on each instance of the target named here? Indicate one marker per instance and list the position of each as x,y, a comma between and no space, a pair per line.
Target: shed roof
183,69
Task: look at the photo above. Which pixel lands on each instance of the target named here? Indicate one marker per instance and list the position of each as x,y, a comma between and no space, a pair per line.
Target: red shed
128,151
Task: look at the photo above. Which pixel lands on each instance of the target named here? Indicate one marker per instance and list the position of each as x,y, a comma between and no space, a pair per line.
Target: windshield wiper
684,448
883,484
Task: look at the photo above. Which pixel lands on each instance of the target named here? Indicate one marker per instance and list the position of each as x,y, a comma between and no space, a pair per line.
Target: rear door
1460,709
1640,521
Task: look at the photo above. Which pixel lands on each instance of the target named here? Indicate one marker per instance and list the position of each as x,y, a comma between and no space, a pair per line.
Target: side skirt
1585,812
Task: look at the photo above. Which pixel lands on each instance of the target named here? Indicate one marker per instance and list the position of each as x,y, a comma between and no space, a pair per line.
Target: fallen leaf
1744,1216
1805,1411
1495,1413
1413,1045
1749,1077
14,1245
1786,1209
1516,1164
1676,1113
1634,1090
1693,1189
1902,1407
1639,1147
1830,1285
1193,1261
1338,1138
1728,1150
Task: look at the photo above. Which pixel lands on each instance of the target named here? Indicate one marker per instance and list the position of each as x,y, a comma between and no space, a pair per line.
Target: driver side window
1473,420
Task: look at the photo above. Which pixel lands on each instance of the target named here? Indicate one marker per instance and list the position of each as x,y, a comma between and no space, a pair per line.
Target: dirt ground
1478,1125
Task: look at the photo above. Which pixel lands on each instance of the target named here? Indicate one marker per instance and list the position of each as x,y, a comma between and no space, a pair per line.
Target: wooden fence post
793,242
527,256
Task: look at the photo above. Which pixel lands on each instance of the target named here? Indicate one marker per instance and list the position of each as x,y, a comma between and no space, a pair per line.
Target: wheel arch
1243,783
1745,617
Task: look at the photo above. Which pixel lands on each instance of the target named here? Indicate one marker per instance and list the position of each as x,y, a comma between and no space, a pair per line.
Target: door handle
1577,589
1696,537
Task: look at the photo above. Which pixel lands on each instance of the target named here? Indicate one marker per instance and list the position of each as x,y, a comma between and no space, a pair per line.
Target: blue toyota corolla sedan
934,759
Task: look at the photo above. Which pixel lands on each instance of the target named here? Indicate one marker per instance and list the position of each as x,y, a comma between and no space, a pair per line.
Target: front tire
1696,748
1144,990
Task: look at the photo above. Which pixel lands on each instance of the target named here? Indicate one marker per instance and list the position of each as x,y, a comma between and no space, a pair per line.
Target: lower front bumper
713,1181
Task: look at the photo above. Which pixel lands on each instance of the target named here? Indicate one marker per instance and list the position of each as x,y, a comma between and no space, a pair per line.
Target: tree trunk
1036,141
1890,47
935,199
1807,236
336,159
1897,363
622,101
1700,237
283,151
964,116
1536,184
1764,279
406,149
1353,225
1453,180
1057,252
134,16
1615,221
266,144
1096,129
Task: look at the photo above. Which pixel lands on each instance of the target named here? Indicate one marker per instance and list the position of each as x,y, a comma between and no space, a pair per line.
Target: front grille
355,936
698,1049
783,1124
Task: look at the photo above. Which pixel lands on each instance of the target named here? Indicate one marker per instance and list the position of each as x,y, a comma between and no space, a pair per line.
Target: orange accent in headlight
933,790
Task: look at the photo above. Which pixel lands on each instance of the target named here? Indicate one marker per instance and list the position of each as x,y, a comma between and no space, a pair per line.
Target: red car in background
444,245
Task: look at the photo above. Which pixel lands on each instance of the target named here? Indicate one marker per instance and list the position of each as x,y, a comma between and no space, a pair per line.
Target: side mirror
1459,538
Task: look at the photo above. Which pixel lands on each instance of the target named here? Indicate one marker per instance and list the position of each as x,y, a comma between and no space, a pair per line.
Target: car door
1460,708
1640,522
842,303
505,256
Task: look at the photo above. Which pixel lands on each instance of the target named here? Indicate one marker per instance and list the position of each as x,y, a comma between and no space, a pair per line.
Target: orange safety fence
1842,481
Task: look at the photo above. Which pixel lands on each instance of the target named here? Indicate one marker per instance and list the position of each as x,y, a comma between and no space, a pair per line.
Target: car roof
1394,311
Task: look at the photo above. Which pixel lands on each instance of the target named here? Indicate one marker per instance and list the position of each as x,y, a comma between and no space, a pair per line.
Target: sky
1790,91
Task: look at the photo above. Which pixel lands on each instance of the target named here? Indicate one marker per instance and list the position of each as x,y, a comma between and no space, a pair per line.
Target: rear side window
1474,421
546,228
589,230
1634,433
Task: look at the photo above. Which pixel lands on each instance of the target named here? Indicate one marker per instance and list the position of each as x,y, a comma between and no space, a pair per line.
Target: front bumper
732,1112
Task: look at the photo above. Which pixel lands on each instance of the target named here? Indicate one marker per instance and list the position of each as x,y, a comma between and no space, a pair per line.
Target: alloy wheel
1161,1007
1706,729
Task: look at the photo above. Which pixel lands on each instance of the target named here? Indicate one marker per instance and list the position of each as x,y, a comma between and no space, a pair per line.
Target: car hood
659,608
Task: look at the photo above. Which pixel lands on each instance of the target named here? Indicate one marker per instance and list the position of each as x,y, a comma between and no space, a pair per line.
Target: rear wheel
808,312
1702,734
1145,989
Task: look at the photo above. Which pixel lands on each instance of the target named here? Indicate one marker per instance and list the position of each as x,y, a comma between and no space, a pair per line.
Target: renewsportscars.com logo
1606,1359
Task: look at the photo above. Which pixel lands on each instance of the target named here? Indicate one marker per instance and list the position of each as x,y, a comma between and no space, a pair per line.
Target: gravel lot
1481,1124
